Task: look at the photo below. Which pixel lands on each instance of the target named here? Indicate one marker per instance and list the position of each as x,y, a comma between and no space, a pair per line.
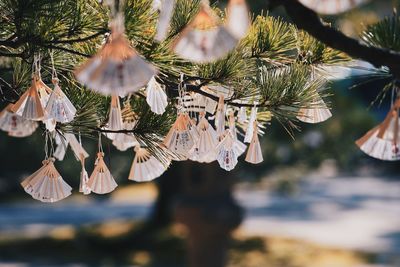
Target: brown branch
309,21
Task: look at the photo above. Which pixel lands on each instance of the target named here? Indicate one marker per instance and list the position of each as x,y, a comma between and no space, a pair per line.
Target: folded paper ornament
239,147
101,181
382,142
238,18
30,105
59,107
156,97
204,149
84,179
180,138
117,69
204,39
242,115
164,20
46,184
124,141
331,7
76,146
227,155
254,153
16,125
145,167
115,122
62,145
250,125
220,116
317,114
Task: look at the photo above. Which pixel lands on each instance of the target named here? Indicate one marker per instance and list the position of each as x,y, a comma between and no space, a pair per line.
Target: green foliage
312,51
262,68
384,34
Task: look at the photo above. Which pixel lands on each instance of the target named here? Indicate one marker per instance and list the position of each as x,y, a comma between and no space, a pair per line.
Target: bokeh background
315,200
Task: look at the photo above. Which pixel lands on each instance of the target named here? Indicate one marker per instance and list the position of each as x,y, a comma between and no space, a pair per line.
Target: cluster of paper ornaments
382,142
38,103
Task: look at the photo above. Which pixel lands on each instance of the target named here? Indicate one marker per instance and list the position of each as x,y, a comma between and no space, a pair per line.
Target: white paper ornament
331,7
15,125
156,97
242,115
220,117
84,179
239,147
250,125
204,39
180,139
254,153
204,149
62,145
116,69
46,184
318,114
145,167
101,181
238,18
76,146
115,122
164,20
383,142
59,107
29,105
227,156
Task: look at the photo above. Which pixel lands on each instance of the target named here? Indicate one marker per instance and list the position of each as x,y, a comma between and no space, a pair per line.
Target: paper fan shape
29,106
123,141
164,20
204,149
84,179
238,18
180,139
242,115
145,167
331,7
382,142
115,122
116,69
204,39
220,116
318,114
250,125
227,156
15,125
46,184
156,97
238,146
61,149
76,146
59,106
254,153
101,181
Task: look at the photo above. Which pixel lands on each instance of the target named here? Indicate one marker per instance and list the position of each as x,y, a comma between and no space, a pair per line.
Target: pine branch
308,20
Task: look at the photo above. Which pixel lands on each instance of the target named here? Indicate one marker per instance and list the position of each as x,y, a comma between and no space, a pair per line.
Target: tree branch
309,21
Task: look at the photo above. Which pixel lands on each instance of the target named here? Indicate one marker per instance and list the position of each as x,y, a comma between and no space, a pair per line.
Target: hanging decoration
101,181
204,149
331,7
14,125
115,122
145,167
124,141
220,116
250,125
117,69
227,155
46,184
382,142
319,113
204,39
238,18
254,153
164,20
58,106
156,97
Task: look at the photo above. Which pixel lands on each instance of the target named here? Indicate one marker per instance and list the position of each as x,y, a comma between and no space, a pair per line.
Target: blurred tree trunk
201,199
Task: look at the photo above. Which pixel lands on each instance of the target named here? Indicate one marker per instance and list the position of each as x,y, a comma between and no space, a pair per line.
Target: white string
100,144
53,69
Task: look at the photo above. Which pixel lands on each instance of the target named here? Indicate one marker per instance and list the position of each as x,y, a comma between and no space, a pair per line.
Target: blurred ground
341,221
